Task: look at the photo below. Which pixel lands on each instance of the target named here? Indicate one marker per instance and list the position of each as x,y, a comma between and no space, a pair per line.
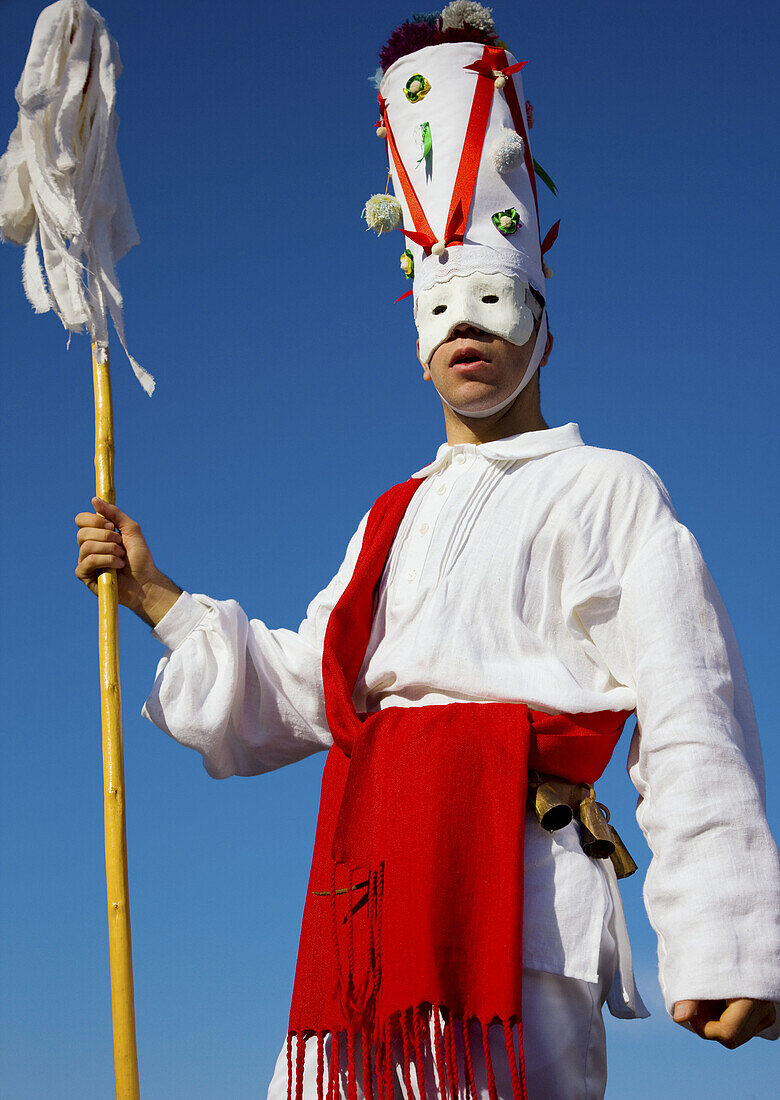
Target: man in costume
499,614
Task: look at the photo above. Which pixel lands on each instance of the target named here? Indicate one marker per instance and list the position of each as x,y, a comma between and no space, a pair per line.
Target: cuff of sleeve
180,621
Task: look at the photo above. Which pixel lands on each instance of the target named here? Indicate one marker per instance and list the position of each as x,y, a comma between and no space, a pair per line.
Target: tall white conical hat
453,117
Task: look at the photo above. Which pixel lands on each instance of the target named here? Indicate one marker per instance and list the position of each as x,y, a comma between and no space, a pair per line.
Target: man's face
475,370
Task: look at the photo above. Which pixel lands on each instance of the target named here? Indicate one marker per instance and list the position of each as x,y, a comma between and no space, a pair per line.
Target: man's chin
466,403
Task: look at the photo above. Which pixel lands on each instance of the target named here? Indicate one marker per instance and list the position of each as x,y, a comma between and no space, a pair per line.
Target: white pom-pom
461,13
507,151
381,132
437,249
382,213
500,80
547,271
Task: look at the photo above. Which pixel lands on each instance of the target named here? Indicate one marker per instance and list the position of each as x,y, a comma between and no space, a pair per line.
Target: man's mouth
468,357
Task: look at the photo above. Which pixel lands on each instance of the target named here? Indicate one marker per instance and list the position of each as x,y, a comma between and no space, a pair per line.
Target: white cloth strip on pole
62,194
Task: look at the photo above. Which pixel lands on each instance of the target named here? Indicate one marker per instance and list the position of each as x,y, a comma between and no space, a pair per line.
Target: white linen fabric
540,570
61,181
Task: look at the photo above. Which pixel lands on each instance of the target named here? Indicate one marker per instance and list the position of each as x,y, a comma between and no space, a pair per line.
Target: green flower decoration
507,221
407,263
416,88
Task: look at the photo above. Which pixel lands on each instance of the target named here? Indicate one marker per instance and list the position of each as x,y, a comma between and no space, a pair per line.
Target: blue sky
288,398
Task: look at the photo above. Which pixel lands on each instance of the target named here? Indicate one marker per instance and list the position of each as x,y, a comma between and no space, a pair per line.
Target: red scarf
415,898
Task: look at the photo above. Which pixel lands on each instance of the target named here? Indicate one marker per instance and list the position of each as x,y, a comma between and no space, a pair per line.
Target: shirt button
424,529
460,458
411,574
442,490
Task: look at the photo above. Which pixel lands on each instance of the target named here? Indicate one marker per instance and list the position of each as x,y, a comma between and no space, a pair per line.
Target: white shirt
539,570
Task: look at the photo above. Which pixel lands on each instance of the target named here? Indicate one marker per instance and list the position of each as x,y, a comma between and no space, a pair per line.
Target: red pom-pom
414,35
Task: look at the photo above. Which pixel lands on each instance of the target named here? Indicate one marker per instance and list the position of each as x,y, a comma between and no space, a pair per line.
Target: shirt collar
512,449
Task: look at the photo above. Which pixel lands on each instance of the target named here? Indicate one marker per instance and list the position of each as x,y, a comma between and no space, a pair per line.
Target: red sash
415,898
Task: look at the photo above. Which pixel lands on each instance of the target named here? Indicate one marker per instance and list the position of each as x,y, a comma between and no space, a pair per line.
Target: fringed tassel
470,1081
300,1054
438,1044
351,1082
518,1079
365,1043
320,1065
289,1066
451,1055
335,1068
415,1029
491,1077
418,1034
407,1046
521,1053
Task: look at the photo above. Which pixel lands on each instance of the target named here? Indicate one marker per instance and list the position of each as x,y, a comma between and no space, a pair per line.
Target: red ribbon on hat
493,60
550,237
422,234
484,69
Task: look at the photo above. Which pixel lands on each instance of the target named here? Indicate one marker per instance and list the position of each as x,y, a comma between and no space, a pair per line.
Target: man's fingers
727,1026
684,1011
732,1023
90,519
98,546
92,563
112,513
98,534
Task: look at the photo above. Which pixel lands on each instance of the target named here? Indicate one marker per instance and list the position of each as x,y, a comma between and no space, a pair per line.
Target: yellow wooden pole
120,950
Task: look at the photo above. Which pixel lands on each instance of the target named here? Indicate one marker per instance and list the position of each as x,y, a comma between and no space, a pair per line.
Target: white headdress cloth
446,108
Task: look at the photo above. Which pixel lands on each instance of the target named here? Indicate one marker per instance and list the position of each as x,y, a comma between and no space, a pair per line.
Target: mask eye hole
441,309
490,299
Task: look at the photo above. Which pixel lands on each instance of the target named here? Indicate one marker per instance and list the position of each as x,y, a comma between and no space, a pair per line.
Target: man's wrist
158,597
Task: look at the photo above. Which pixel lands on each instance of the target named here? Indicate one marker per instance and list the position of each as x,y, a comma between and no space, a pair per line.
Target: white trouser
564,1044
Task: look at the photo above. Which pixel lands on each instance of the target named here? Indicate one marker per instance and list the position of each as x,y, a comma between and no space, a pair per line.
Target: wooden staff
120,949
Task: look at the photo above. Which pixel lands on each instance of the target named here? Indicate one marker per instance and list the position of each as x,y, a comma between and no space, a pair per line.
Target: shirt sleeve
712,891
246,697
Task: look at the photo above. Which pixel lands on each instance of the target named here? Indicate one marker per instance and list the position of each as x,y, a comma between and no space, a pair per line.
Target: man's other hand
109,539
730,1023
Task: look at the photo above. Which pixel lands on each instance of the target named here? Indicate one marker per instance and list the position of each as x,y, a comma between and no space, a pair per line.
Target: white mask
494,303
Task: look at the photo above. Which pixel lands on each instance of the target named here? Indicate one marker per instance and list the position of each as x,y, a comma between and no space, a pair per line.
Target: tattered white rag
60,178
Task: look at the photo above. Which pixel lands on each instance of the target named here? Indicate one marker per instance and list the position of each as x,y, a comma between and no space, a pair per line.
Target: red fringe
320,1063
439,1051
510,1053
491,1077
521,1052
300,1054
406,1038
472,1084
365,1042
452,1056
418,1032
289,1067
335,1068
410,1026
351,1080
